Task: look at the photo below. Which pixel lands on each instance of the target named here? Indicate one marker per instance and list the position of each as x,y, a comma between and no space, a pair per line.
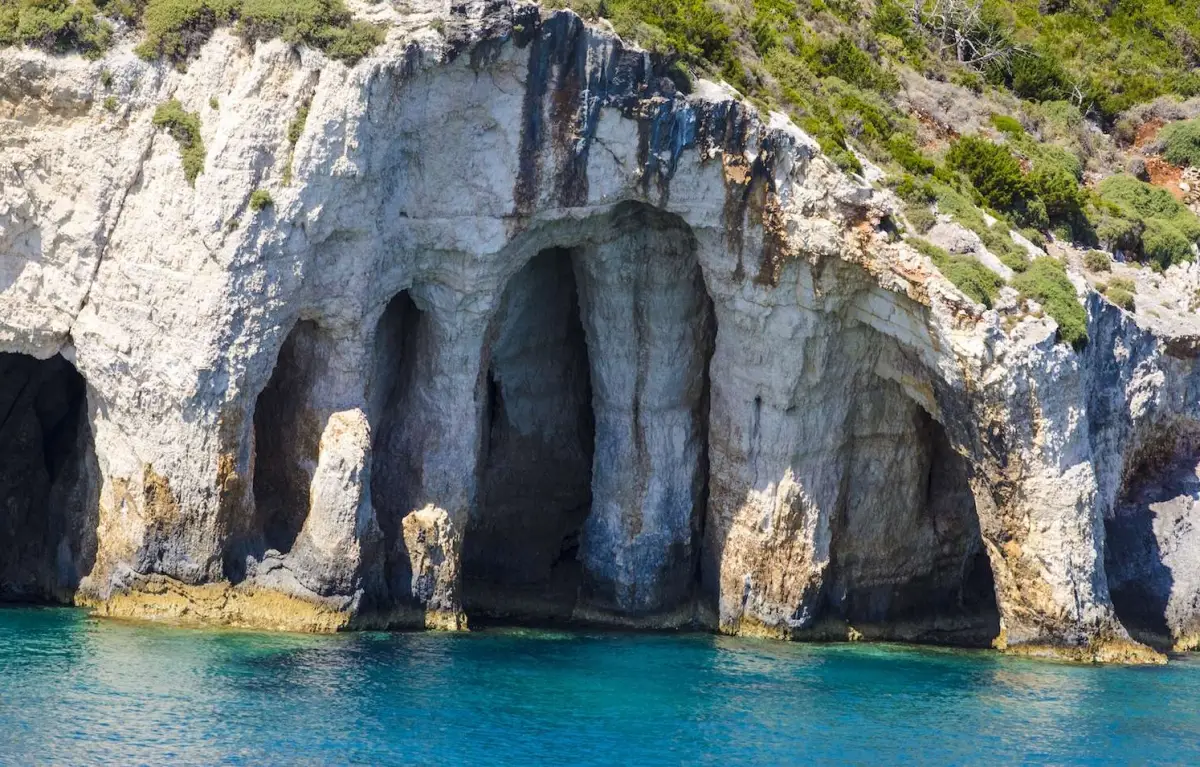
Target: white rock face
768,419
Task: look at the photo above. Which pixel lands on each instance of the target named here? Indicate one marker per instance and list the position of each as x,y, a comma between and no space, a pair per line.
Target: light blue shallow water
74,690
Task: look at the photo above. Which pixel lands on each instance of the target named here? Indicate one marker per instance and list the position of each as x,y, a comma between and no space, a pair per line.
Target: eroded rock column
649,328
424,403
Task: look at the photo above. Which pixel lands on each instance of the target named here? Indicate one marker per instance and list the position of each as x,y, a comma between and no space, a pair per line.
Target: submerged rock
524,332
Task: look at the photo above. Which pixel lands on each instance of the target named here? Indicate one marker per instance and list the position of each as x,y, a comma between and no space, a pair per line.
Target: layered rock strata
529,334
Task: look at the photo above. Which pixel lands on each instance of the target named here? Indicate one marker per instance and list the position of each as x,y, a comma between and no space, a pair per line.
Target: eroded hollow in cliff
287,434
1153,526
401,417
521,544
593,478
907,561
48,480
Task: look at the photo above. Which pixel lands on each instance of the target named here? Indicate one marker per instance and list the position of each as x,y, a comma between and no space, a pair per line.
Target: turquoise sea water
74,690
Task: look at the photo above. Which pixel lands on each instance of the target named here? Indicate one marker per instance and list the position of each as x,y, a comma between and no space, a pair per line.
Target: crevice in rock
287,435
907,560
402,350
522,540
49,480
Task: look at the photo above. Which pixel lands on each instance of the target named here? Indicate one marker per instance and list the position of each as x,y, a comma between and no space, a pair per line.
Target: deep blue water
75,690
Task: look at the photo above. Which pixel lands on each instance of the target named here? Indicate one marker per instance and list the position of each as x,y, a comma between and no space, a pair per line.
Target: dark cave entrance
287,435
520,549
49,503
1149,534
907,560
404,340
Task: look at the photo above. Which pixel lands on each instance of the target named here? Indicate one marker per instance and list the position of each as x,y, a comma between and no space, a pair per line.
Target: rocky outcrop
527,333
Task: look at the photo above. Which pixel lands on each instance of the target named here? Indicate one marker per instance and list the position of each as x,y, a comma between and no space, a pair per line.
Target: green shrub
1163,244
975,280
914,192
845,60
1008,125
920,217
1115,232
184,127
1038,78
323,24
1046,282
993,171
690,28
1097,261
1139,199
904,151
296,126
1165,228
213,104
1182,143
175,29
56,26
1121,298
110,103
260,199
1058,191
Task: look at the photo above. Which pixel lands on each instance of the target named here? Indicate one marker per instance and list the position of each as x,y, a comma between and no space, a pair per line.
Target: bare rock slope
522,332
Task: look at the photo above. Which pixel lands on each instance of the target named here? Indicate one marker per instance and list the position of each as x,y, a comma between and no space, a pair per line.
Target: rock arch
629,364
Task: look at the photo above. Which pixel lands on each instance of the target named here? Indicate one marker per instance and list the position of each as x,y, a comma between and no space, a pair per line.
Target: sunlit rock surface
529,334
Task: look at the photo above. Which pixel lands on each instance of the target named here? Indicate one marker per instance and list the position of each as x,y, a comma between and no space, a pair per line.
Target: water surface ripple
77,691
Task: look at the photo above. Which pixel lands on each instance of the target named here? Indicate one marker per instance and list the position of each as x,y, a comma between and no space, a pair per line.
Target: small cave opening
403,350
1150,536
521,545
49,480
287,435
907,558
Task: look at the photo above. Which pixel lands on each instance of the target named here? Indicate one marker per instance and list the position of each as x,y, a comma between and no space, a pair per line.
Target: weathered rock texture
527,333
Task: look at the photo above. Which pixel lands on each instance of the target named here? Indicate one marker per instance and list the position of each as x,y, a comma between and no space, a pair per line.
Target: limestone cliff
520,331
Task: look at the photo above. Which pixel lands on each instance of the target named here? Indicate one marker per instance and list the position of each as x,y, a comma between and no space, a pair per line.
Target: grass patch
1046,282
260,199
1122,298
184,127
1008,125
975,280
1149,221
1123,283
920,217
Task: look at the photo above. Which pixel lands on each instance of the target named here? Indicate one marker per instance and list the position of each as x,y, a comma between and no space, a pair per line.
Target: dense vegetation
1148,220
175,29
